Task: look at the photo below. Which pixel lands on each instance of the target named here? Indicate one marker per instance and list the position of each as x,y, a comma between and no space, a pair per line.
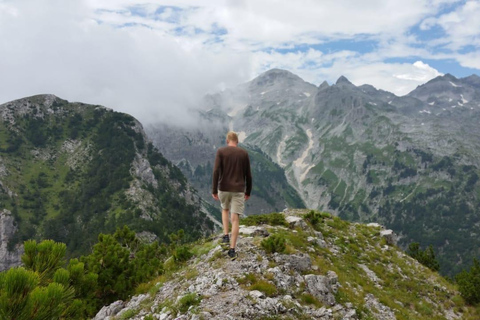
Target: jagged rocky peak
449,88
323,85
449,77
473,80
344,82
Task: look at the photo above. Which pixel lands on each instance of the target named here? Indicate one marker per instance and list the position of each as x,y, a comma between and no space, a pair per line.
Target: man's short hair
232,136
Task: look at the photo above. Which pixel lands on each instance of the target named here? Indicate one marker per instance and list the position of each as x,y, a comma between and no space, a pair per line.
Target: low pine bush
274,243
182,254
469,283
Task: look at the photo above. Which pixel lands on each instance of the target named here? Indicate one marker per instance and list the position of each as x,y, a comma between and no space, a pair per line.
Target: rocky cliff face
408,162
8,257
69,171
330,269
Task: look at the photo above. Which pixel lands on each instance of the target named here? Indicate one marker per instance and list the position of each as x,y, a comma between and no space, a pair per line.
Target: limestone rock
108,311
253,231
294,221
256,294
297,262
8,228
389,236
378,309
322,287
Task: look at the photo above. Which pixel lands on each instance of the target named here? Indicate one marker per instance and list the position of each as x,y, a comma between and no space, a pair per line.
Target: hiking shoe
232,254
226,240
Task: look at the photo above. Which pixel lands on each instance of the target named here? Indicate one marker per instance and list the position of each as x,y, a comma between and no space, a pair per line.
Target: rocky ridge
330,269
69,171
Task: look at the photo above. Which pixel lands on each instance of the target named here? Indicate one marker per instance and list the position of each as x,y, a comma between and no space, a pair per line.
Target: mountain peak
324,85
343,80
473,80
275,75
449,77
278,77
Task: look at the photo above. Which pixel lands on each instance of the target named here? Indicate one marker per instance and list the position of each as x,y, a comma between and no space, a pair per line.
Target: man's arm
216,175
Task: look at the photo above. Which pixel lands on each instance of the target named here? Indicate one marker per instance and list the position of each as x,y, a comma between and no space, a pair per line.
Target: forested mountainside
69,171
411,162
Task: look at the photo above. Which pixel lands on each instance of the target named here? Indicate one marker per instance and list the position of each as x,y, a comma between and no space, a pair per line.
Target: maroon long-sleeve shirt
231,171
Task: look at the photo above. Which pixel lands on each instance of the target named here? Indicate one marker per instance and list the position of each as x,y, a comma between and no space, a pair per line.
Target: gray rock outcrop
8,259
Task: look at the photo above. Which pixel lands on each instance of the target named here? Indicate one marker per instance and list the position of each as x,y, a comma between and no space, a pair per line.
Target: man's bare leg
235,227
225,220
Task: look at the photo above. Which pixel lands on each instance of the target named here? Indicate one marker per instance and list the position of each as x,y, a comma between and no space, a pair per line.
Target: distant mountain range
410,162
69,171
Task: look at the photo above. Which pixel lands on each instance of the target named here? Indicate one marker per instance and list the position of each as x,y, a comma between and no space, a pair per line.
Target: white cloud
462,26
154,64
142,71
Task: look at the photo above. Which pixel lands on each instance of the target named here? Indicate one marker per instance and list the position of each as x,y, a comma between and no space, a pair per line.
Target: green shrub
273,219
469,283
427,257
313,217
191,299
182,254
44,257
274,243
22,297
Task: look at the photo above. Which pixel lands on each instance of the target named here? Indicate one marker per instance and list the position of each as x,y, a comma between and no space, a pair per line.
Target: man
232,184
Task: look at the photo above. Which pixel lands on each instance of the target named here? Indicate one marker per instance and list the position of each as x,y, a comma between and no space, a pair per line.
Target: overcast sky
154,58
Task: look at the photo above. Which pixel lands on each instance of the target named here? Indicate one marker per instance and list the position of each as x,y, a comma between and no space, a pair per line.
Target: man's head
232,138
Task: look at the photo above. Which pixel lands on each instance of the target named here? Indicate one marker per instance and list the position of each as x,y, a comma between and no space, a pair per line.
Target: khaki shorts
234,201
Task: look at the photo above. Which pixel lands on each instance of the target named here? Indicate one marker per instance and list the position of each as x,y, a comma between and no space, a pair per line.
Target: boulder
294,221
111,310
253,231
256,294
298,262
322,287
390,237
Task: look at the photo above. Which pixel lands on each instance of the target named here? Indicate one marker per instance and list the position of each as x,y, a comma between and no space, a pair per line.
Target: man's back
231,171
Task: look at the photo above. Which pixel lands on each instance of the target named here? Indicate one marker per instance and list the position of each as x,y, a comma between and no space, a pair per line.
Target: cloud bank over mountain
155,59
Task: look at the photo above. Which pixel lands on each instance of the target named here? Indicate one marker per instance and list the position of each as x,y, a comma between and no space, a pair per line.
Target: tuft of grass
128,314
188,300
191,273
251,282
269,289
309,299
249,278
217,255
203,248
